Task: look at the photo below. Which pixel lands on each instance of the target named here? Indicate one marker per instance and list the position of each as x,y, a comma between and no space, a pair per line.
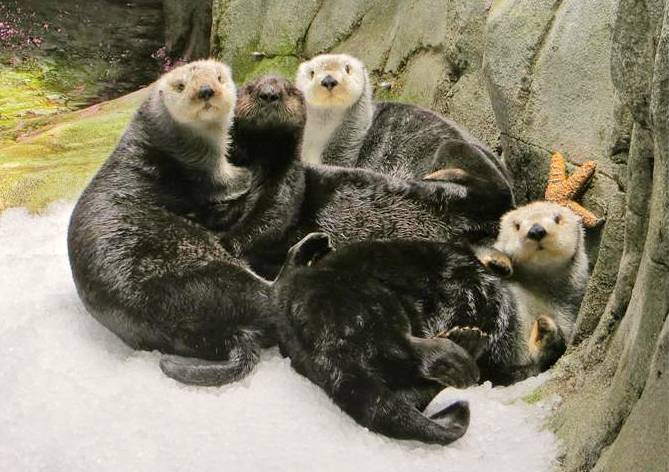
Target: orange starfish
562,189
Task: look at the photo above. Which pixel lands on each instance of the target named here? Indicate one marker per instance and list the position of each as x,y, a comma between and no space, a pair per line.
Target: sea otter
346,128
541,251
142,265
339,309
351,334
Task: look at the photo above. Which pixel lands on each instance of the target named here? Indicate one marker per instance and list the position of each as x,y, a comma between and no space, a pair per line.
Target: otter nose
269,94
329,82
205,92
536,232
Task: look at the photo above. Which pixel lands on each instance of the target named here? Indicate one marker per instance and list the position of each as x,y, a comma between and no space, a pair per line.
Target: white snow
74,398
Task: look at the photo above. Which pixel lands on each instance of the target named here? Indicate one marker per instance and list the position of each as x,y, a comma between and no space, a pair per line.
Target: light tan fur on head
556,249
349,74
181,90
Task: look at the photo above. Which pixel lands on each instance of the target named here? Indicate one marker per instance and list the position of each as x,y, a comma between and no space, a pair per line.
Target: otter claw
310,249
471,338
452,174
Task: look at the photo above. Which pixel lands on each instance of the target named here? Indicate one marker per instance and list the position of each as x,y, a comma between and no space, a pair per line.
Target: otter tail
241,361
390,413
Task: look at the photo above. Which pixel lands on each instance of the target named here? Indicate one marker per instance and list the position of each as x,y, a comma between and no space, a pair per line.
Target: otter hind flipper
194,371
307,251
445,362
471,339
443,428
454,416
389,413
481,171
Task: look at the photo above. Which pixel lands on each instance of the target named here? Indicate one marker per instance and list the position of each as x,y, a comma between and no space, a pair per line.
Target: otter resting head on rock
142,265
541,250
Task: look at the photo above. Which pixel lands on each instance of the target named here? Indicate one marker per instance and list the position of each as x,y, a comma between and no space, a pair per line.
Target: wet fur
548,278
289,199
346,319
142,265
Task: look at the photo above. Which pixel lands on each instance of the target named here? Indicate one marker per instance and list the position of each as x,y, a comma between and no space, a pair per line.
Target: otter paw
547,342
454,417
310,249
451,174
497,262
470,338
543,327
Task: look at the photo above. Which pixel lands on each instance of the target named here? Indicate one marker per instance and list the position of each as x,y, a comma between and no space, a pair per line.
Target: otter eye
311,73
557,219
179,86
347,68
517,226
220,78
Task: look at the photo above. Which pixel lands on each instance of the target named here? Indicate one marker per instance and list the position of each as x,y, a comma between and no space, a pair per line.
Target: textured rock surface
615,416
187,28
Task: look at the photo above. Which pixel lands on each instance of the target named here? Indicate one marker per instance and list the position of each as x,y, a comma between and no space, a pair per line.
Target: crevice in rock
301,42
600,172
420,49
527,81
348,33
520,140
662,265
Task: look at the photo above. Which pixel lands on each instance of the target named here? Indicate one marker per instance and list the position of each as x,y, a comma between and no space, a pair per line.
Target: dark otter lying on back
349,332
288,199
145,270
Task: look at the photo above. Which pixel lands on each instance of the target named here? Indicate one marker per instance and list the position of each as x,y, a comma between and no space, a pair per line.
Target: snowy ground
73,397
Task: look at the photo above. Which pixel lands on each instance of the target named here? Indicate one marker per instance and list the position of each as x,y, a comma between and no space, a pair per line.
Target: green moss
393,94
24,96
285,66
533,397
285,47
58,159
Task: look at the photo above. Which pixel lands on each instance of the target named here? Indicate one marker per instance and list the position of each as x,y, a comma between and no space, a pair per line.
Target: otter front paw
470,338
495,261
450,174
310,249
547,342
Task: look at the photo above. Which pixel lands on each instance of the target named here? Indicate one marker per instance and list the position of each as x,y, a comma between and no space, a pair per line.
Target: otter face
540,235
199,94
332,80
270,102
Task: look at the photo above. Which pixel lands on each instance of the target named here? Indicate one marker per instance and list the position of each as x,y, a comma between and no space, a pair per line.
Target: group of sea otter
358,236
